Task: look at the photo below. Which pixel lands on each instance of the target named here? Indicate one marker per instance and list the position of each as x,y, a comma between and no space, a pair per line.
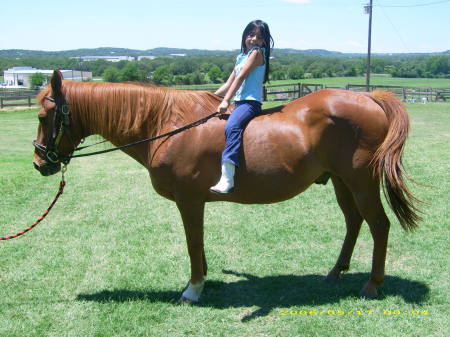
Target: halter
61,126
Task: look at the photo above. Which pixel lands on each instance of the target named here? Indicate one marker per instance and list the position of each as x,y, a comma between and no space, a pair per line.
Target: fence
280,92
16,101
17,97
411,94
283,92
289,92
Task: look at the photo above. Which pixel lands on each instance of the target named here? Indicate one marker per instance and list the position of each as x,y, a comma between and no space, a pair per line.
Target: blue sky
339,25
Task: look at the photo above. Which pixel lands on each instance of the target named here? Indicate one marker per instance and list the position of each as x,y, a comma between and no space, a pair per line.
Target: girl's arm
255,59
224,88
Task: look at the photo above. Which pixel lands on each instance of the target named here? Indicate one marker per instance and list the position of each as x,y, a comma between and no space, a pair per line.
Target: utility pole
368,10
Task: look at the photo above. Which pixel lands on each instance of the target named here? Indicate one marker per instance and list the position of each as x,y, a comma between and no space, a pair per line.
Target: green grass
111,258
376,79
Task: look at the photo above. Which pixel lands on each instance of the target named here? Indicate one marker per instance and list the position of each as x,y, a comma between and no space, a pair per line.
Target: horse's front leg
192,214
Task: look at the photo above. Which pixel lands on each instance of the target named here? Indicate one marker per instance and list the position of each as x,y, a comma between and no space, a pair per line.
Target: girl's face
254,38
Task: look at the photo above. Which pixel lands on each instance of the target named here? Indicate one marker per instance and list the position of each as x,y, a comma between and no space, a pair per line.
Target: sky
339,25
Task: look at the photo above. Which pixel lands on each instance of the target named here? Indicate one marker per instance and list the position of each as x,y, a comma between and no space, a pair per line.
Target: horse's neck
95,119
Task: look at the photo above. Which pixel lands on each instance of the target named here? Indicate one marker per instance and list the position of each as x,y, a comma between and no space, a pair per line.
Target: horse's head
55,141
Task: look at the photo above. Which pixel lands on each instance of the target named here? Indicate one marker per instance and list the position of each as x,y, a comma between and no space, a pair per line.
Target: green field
376,80
111,258
343,81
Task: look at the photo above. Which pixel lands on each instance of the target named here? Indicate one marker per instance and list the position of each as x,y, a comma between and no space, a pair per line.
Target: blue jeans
236,123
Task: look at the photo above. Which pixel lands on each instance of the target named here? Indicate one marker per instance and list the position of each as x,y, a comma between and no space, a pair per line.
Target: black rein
171,133
62,115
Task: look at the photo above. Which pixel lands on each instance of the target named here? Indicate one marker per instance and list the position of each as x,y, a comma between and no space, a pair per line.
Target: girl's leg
234,128
238,120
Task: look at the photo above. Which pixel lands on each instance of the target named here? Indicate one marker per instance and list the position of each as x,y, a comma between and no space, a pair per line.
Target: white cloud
302,2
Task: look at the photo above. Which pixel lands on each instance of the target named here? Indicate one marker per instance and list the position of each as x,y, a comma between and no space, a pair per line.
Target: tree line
214,69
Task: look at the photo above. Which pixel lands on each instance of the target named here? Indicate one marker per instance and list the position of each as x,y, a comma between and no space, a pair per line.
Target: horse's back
287,150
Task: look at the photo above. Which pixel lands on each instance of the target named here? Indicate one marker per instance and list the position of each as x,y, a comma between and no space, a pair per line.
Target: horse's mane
128,107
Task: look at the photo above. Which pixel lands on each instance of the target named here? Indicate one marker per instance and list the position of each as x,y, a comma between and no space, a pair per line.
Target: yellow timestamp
355,312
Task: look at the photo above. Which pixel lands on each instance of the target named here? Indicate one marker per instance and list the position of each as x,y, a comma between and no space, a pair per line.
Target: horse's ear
56,82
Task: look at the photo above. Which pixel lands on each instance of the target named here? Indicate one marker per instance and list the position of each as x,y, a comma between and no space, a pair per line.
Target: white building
151,57
106,58
19,77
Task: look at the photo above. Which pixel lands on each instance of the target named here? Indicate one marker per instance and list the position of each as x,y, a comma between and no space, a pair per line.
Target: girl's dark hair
268,41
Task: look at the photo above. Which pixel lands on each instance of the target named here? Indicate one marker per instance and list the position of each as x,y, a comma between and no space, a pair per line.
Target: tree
197,78
111,74
130,72
215,74
277,75
162,75
438,64
36,80
296,72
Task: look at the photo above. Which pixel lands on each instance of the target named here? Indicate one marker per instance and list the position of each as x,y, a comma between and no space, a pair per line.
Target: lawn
111,258
376,79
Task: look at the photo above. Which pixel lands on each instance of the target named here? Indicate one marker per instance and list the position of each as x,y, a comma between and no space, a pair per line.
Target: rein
42,217
50,152
146,140
62,116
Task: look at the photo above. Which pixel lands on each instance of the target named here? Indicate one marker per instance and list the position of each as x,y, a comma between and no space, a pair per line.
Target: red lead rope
61,190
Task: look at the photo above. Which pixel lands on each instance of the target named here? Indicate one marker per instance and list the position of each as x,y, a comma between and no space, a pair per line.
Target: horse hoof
334,277
369,295
333,280
217,191
186,301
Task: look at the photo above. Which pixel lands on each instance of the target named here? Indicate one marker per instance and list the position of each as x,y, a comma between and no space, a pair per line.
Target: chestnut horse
357,137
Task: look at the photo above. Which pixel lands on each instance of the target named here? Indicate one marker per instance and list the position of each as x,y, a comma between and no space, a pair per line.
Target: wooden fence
280,92
16,101
407,94
17,97
289,92
410,94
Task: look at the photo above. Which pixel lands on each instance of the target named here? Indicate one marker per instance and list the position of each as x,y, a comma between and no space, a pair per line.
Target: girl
246,85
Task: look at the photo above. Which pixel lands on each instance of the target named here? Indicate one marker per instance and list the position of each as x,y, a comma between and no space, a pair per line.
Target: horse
358,138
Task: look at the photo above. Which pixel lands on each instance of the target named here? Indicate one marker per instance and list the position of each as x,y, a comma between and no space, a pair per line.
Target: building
150,57
106,58
19,77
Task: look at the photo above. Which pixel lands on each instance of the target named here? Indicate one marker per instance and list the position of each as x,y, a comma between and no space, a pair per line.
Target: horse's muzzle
47,169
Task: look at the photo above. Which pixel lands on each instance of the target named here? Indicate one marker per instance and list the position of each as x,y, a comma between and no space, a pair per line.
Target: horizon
220,50
398,26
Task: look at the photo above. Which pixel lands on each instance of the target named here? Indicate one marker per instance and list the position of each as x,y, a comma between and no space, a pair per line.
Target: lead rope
60,191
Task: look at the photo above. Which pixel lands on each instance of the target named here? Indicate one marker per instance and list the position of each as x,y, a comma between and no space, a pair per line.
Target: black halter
61,126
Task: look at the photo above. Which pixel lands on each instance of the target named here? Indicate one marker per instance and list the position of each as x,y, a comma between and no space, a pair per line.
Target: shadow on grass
271,292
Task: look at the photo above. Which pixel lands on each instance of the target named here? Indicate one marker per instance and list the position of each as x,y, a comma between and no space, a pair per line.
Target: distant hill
162,51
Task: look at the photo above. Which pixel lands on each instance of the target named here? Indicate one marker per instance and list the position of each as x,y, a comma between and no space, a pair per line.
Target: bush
111,74
37,79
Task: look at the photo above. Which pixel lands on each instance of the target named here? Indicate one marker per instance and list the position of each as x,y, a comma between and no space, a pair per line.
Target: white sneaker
226,182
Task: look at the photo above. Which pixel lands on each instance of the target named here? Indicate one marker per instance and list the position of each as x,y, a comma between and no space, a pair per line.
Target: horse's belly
275,169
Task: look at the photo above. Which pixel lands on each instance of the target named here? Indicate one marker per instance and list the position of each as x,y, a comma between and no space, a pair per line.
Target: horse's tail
387,160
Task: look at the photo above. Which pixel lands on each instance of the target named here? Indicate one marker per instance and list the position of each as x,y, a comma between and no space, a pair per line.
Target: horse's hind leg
366,193
353,221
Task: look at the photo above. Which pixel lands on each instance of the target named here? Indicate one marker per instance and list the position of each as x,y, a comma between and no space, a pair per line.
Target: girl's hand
223,106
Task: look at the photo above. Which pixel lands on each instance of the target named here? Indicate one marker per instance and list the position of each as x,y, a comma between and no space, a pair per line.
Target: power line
392,24
420,5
